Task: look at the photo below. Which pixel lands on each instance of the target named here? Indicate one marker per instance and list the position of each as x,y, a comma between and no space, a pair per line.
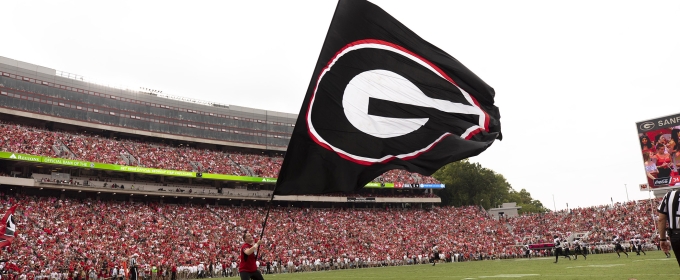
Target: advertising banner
644,187
67,162
95,165
660,151
377,185
238,178
178,173
418,186
361,199
542,246
154,171
22,157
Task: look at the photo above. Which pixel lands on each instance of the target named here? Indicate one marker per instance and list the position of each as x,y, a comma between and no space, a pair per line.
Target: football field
604,266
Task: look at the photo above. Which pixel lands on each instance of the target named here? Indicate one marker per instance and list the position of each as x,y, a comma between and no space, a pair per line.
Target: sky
571,77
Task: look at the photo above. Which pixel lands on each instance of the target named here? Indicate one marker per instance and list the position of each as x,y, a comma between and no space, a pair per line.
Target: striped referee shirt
669,207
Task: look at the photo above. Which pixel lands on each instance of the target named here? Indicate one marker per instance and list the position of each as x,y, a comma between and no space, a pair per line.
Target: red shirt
248,262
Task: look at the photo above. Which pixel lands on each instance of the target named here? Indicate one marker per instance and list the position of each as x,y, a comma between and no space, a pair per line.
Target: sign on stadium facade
179,173
361,199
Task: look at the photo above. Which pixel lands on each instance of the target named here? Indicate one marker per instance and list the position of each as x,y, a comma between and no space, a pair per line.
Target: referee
133,266
668,213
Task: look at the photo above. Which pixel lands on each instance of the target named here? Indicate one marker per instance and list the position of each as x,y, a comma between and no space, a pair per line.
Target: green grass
604,266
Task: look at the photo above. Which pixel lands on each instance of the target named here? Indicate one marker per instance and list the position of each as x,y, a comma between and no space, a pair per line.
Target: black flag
382,98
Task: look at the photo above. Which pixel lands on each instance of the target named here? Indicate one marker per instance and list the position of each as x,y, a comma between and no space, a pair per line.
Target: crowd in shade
72,235
95,148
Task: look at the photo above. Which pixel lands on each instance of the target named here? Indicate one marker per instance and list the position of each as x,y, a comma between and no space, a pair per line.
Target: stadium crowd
602,223
91,238
81,236
23,139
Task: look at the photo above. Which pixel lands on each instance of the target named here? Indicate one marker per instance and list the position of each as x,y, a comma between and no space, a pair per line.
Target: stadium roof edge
37,69
136,131
27,66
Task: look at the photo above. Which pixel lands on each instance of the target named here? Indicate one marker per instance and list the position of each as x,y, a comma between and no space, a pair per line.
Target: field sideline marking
534,259
597,265
509,276
664,259
586,276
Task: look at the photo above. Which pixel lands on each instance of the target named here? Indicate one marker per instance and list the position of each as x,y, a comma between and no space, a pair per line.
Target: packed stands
74,236
61,234
95,148
71,235
602,222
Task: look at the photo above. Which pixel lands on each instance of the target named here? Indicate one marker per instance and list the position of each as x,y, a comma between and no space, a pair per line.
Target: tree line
472,184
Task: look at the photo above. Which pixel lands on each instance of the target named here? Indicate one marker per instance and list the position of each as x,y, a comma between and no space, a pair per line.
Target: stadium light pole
651,206
626,186
554,205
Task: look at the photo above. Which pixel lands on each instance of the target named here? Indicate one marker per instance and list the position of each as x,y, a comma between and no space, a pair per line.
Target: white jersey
617,240
557,242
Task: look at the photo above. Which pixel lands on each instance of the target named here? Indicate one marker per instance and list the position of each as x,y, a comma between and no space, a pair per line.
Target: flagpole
269,203
266,217
264,225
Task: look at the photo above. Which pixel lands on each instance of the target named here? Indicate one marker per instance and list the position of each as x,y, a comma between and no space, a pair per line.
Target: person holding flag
247,268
